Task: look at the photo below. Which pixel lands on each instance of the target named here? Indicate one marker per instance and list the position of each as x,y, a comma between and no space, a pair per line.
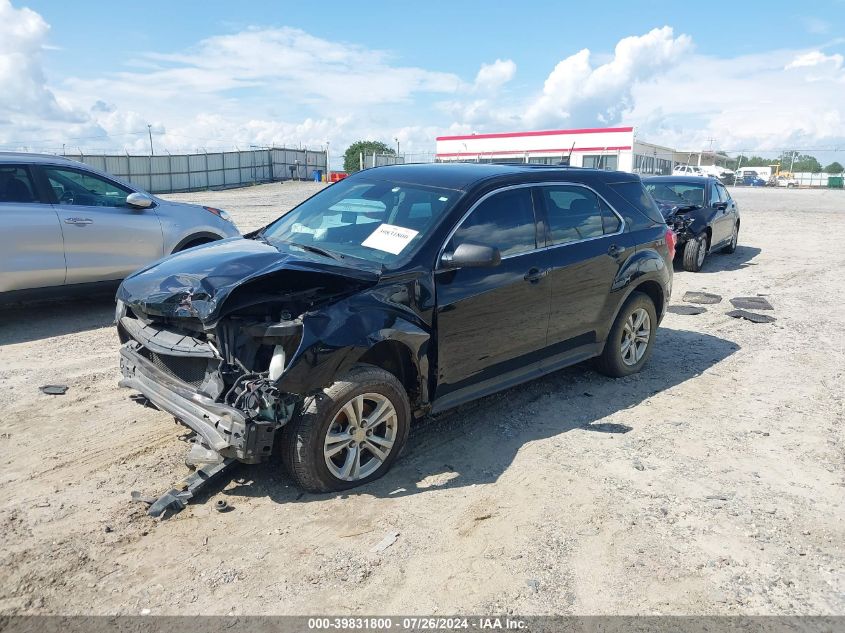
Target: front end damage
687,222
220,382
231,338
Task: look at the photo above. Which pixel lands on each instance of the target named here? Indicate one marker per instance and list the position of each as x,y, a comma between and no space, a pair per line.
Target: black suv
396,292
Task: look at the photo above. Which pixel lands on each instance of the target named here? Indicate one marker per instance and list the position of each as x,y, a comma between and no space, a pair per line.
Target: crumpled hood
197,282
668,209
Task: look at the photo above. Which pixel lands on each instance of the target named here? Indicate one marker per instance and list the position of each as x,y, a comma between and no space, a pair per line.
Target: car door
105,239
732,212
31,246
587,247
722,222
492,322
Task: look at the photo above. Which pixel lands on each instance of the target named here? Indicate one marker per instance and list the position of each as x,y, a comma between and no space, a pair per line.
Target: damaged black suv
396,292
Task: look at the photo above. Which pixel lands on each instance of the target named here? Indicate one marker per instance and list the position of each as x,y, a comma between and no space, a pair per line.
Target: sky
737,76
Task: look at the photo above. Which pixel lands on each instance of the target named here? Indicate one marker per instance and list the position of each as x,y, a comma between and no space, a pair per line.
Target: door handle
615,251
79,221
535,275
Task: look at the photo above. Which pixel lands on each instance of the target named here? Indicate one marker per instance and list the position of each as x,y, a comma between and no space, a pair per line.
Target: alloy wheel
360,437
635,336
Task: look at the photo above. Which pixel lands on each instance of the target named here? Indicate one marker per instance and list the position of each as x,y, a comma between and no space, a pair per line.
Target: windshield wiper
318,250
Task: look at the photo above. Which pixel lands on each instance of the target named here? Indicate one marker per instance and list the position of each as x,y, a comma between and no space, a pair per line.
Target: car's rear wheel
731,247
631,340
348,434
695,250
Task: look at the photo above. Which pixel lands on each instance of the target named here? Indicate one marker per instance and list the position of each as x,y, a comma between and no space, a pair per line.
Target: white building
612,148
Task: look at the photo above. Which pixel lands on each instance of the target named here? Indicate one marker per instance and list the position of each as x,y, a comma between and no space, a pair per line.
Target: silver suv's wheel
348,434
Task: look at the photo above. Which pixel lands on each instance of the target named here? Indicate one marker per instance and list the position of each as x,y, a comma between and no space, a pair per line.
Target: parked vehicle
701,212
395,292
688,170
752,181
68,226
786,180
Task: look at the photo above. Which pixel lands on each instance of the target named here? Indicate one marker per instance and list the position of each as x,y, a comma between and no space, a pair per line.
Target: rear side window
16,185
575,214
505,220
636,195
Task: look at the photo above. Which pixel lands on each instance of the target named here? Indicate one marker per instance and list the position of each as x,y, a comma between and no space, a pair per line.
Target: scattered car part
388,540
751,316
221,505
200,455
752,303
679,309
177,498
701,297
54,390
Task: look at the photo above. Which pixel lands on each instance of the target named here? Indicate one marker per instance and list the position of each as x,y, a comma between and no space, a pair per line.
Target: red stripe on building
589,130
522,152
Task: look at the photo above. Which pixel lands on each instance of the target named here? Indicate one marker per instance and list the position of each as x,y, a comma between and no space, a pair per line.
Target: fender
644,265
203,235
336,338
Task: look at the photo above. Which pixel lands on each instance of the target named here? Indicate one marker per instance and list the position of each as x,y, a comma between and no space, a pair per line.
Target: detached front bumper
222,428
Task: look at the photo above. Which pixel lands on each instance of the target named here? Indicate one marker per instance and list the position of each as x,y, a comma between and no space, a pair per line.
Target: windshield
375,220
682,193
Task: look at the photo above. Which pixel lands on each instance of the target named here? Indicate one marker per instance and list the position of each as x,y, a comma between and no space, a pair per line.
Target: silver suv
63,224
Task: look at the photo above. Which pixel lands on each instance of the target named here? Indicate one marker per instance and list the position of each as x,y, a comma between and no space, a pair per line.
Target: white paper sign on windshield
390,239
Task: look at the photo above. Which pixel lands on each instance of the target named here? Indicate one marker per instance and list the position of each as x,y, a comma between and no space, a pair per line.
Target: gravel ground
711,483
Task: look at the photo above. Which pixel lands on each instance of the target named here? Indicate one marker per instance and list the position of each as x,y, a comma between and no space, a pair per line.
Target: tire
197,242
611,362
693,256
731,247
305,443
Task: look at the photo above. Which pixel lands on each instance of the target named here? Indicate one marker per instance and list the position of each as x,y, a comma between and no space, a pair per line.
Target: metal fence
379,160
170,173
807,179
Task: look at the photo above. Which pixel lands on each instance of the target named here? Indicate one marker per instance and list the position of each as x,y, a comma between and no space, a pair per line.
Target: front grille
187,369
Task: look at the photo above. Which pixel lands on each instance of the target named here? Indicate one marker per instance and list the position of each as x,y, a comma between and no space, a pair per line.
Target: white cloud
575,90
815,58
493,76
23,34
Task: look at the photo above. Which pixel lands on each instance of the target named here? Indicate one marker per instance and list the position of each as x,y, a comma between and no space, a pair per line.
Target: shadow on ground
475,443
719,262
32,321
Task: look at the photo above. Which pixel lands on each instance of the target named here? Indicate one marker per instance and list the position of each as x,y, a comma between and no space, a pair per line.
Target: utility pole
150,132
792,162
328,164
397,146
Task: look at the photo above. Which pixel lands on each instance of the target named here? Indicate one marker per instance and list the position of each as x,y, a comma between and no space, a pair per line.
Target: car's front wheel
348,434
695,250
631,339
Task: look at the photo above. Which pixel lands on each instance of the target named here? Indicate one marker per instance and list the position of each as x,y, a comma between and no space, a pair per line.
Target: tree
834,168
351,157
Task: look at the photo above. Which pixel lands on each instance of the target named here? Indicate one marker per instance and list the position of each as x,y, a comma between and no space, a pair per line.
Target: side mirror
139,200
721,206
472,256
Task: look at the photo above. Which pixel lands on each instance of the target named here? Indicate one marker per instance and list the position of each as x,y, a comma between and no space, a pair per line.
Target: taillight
671,241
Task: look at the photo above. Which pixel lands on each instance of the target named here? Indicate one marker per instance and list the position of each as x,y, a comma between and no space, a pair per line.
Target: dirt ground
711,483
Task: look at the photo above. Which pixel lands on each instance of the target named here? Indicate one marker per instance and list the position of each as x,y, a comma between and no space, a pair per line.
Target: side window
84,188
610,221
576,213
16,185
723,193
505,220
714,194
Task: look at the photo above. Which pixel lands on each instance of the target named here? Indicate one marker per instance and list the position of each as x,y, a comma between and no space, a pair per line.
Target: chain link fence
172,173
